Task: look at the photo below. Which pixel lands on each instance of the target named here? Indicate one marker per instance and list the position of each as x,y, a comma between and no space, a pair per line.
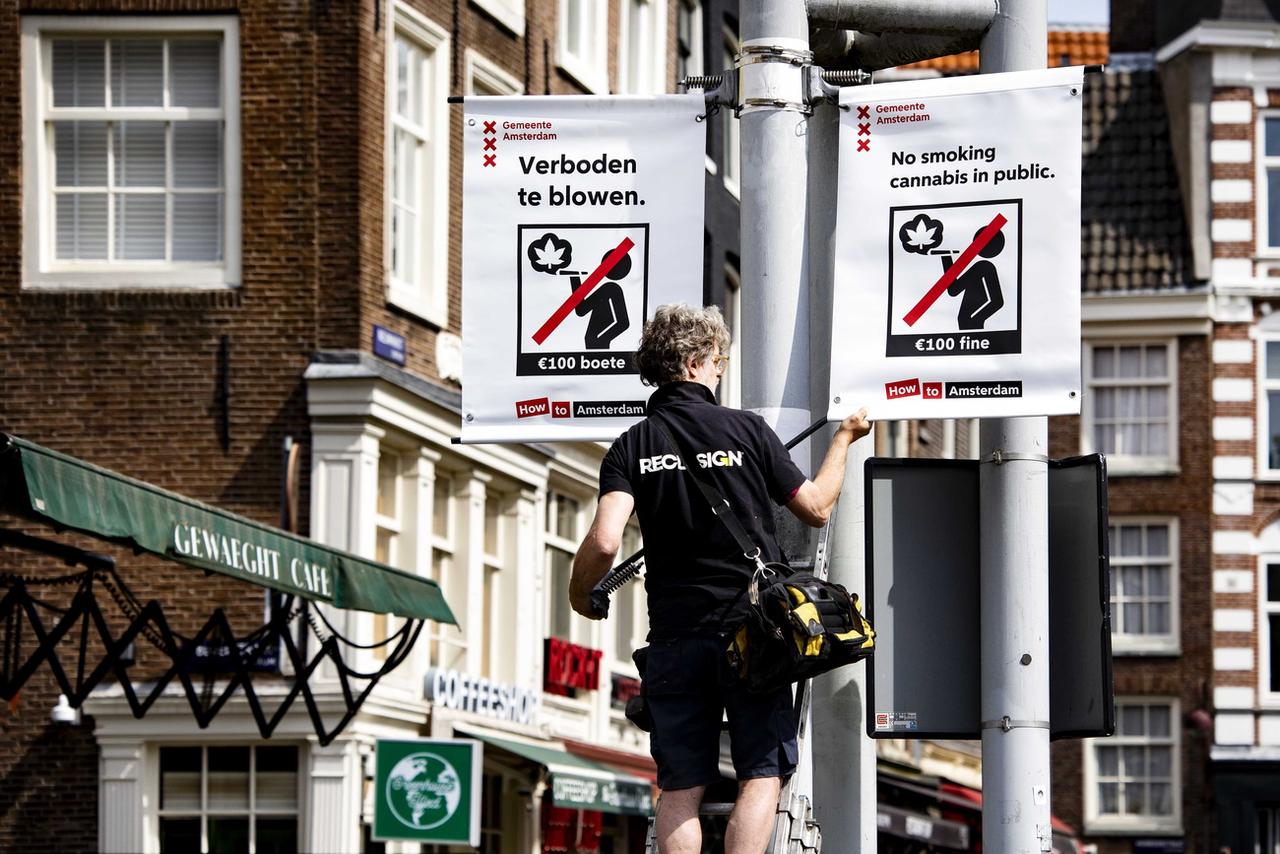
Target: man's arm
814,500
595,555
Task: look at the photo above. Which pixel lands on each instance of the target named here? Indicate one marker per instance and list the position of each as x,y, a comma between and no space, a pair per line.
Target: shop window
1132,780
1267,820
1144,586
1130,405
580,48
417,156
229,798
132,152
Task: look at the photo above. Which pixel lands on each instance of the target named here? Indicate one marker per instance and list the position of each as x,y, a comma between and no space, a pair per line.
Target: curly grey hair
676,333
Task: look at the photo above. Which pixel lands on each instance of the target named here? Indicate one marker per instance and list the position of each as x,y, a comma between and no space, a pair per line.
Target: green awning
50,487
579,783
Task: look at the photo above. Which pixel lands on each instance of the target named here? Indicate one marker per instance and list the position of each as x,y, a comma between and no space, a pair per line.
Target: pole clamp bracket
1000,457
753,53
1007,723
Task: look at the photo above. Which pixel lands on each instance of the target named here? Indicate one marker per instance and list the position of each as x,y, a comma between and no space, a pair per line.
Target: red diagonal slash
610,261
979,242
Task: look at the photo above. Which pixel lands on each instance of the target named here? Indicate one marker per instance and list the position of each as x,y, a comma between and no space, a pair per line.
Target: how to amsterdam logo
423,790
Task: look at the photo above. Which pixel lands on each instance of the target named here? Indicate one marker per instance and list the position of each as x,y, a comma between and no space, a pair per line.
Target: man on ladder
697,576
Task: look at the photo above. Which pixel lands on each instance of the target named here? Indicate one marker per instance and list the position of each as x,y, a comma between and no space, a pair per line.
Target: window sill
1121,650
406,301
594,80
1124,828
132,280
1118,467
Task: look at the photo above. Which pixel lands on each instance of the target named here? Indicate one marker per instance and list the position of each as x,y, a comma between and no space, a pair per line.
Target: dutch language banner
958,248
581,215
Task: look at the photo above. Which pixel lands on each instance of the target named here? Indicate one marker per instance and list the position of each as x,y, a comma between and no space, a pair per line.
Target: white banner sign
581,215
958,248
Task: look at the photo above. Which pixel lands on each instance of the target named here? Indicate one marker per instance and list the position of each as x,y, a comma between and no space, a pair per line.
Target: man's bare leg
751,822
677,826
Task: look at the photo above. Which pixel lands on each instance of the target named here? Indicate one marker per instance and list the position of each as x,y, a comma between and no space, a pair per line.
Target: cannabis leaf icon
921,234
550,254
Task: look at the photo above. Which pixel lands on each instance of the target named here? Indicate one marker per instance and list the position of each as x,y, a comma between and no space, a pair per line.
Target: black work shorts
683,685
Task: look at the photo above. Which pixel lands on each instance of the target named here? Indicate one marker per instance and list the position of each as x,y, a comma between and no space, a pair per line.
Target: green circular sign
423,790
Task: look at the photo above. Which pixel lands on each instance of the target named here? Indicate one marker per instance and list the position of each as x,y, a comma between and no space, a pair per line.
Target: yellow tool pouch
799,626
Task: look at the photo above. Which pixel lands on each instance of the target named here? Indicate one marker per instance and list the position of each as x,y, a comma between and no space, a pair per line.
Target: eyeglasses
721,362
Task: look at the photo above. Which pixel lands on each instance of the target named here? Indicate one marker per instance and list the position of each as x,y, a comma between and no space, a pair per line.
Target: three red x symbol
491,160
492,127
864,112
490,145
864,145
864,129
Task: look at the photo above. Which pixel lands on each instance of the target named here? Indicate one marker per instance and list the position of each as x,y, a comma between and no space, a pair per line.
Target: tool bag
798,625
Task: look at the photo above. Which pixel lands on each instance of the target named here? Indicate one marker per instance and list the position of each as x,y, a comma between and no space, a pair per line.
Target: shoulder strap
718,503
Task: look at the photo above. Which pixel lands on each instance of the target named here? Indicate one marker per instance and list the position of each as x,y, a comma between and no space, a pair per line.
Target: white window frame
1266,697
484,72
383,626
1261,196
731,157
1263,385
633,595
651,46
427,298
445,636
697,62
40,269
1123,464
590,69
1146,644
731,392
1125,825
508,13
497,651
580,630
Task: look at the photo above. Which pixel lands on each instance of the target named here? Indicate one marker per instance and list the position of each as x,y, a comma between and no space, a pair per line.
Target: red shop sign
570,667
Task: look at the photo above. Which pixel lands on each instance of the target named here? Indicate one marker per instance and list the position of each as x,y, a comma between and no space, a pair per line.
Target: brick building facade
206,209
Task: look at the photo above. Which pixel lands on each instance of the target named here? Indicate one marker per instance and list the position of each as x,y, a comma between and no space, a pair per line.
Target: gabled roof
1133,231
1073,46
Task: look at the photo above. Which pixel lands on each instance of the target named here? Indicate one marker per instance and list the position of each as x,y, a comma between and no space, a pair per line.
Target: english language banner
580,216
957,291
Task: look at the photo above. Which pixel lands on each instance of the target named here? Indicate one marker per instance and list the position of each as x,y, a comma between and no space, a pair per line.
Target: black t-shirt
694,570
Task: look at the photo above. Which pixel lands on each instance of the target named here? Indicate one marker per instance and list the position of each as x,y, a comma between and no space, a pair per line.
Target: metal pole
1015,562
775,171
844,771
